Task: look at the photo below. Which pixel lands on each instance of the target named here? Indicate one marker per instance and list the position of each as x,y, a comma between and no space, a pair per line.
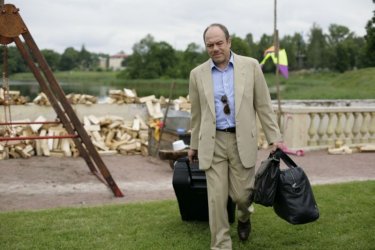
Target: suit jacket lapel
239,82
208,86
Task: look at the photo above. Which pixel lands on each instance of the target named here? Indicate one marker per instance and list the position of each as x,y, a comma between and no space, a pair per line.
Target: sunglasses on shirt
224,100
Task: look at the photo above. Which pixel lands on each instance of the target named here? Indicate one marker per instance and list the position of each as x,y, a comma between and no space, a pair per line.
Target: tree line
338,50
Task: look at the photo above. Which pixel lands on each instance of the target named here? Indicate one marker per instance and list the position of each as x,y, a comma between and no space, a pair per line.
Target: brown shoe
244,229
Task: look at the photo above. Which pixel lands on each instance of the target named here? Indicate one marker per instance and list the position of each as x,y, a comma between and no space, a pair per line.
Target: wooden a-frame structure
11,28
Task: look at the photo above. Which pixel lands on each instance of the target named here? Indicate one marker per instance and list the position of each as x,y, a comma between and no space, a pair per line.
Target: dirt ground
45,182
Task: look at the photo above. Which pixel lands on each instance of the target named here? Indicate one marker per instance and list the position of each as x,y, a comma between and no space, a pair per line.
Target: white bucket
179,145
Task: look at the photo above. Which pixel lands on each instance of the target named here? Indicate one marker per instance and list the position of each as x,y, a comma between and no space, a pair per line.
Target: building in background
103,62
115,61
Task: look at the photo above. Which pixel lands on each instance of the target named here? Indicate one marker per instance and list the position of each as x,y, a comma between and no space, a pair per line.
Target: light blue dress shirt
223,81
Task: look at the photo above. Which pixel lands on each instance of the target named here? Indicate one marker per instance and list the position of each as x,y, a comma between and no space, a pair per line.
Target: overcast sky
114,25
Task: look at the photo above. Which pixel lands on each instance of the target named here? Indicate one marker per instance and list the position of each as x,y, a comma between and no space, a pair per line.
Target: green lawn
347,222
356,84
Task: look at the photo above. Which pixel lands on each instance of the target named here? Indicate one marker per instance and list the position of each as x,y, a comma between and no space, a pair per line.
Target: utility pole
1,2
276,46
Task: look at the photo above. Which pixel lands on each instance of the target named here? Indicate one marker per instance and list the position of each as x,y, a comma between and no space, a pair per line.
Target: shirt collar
231,62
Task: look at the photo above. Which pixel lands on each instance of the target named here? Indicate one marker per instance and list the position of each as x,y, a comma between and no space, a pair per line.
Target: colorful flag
283,60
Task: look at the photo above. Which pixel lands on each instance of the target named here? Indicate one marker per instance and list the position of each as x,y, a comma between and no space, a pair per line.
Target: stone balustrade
305,124
322,123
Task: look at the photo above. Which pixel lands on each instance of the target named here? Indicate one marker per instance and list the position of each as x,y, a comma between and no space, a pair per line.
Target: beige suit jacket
251,97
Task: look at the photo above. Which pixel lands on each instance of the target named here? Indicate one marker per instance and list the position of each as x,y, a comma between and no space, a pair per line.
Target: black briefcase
190,187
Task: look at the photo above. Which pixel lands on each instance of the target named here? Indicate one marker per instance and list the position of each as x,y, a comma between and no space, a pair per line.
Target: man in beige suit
226,93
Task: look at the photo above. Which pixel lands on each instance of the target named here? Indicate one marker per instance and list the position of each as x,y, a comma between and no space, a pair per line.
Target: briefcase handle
187,161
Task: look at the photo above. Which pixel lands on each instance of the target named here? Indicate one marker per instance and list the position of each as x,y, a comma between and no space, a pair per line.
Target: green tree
265,42
337,52
15,62
288,43
369,50
52,58
252,45
87,60
190,58
240,46
165,59
151,59
69,59
300,51
317,48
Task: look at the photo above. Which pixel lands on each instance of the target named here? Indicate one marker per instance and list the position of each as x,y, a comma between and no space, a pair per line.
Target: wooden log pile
182,104
42,99
81,99
25,148
126,96
12,97
122,96
110,135
153,104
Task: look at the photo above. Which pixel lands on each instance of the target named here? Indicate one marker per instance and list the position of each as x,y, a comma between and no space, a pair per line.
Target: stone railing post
372,128
330,129
321,130
356,127
364,128
348,129
339,130
312,130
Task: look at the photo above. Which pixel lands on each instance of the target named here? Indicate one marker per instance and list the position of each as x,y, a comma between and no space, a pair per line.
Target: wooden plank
100,145
147,99
44,143
115,124
128,147
109,137
90,128
65,147
157,111
108,152
86,121
136,124
129,93
36,127
93,119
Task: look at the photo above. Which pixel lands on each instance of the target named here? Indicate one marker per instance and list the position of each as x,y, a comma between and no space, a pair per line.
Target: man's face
217,46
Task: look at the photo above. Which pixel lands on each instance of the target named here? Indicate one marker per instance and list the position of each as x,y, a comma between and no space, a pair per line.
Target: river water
31,88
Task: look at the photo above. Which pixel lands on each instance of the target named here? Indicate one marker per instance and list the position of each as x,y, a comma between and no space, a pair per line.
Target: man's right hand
192,155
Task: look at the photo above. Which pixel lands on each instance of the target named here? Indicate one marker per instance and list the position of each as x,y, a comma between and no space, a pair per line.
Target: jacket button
213,137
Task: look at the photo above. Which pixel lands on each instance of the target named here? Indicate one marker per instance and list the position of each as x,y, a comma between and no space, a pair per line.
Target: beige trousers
227,176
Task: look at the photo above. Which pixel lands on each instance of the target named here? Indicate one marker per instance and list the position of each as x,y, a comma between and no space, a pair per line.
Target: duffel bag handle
288,161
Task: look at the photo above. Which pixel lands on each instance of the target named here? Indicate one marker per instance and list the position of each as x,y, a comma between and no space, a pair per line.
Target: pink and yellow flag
283,59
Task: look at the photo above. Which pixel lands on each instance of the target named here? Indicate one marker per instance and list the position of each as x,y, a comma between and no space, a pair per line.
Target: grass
356,84
347,221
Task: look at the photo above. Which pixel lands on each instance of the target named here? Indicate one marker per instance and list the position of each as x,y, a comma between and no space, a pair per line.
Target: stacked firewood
25,148
122,96
42,99
12,97
110,135
182,104
81,99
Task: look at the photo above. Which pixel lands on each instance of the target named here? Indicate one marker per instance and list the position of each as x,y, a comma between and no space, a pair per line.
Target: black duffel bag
266,179
294,200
